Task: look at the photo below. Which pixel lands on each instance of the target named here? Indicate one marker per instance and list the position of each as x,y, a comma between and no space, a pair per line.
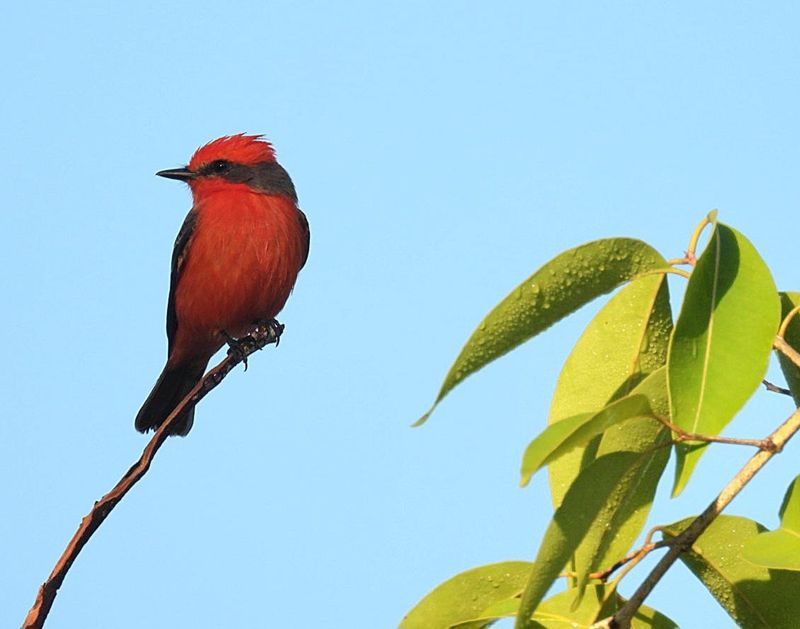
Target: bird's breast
241,265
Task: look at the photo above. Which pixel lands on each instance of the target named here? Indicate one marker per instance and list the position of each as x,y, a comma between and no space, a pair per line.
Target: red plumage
235,262
239,148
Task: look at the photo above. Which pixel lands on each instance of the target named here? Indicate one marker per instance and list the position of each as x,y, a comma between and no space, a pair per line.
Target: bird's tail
171,387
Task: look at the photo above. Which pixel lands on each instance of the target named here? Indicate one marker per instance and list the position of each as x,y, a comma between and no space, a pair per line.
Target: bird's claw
271,328
265,332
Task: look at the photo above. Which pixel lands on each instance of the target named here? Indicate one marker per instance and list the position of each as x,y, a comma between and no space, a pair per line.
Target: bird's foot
265,332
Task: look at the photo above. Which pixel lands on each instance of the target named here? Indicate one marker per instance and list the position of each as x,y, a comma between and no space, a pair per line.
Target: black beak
181,174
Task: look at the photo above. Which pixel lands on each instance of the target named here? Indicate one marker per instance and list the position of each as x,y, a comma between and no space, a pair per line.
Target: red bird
235,261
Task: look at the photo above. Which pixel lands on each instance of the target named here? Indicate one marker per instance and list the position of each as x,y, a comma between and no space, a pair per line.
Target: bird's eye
219,166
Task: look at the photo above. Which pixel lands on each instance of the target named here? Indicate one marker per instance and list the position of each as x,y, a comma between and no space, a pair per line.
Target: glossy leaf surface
624,342
465,596
560,287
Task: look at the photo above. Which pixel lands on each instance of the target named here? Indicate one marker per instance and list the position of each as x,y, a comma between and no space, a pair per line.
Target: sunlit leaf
465,596
557,289
722,340
755,597
780,549
577,514
623,343
792,336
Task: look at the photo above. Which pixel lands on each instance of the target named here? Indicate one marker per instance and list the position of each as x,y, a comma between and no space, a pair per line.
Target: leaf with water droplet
755,597
595,270
626,341
464,596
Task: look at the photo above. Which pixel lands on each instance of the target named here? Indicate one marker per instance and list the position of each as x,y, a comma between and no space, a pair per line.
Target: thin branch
682,435
638,554
261,337
774,388
613,589
634,556
684,541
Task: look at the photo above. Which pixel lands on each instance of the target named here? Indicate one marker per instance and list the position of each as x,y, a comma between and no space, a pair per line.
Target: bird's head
234,160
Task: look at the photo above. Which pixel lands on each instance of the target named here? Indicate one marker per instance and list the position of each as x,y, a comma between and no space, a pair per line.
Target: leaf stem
787,350
682,436
787,320
691,250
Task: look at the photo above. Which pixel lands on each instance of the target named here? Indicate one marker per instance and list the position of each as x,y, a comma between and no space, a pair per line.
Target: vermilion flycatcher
235,261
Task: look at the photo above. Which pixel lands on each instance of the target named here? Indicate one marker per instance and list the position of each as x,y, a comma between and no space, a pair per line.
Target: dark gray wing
179,252
306,231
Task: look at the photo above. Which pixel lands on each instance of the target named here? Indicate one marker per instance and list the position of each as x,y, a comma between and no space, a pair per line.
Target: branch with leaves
637,388
262,336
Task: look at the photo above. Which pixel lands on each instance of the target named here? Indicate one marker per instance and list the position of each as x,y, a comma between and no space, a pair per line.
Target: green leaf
562,437
625,341
792,336
780,549
559,612
755,597
464,596
722,341
502,609
577,514
560,287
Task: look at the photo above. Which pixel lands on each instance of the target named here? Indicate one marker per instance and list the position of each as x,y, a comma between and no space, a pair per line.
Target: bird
235,261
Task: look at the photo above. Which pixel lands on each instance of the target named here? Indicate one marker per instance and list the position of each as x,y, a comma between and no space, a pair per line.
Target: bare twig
684,541
261,337
774,388
637,554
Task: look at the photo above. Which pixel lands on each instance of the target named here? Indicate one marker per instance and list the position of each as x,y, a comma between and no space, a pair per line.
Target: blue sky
442,153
